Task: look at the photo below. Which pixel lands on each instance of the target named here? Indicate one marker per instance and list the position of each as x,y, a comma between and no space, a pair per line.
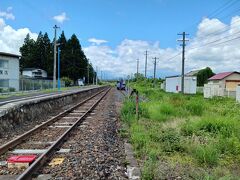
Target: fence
211,90
26,84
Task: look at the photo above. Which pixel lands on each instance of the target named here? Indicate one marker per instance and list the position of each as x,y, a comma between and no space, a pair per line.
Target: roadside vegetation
183,136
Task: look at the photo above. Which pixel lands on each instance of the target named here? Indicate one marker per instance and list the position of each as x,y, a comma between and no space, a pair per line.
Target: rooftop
9,55
222,75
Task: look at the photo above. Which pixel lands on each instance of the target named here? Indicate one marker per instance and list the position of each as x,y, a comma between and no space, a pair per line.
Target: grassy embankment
184,136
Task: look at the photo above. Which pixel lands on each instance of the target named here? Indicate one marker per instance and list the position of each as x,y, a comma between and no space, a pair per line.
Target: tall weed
206,155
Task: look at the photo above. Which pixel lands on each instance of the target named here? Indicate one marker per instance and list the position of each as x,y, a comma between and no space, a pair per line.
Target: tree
138,77
203,76
47,55
76,60
39,54
26,53
63,62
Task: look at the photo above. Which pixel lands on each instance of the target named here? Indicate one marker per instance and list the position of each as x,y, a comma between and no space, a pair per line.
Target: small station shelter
173,84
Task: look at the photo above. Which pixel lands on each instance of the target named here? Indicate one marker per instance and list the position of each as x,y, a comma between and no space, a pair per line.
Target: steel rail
4,148
36,165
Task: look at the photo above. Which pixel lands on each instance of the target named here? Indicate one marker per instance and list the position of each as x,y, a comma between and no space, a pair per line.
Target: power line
224,30
226,41
214,41
227,5
215,12
223,42
173,56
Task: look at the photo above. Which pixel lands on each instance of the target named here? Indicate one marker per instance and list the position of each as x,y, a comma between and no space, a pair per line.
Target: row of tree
39,54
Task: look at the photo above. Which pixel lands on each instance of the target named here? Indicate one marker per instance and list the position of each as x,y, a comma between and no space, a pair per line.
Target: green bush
170,140
206,155
11,89
160,112
211,124
148,170
195,107
67,80
229,145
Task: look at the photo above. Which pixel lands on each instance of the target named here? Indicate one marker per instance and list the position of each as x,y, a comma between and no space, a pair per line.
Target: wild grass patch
185,129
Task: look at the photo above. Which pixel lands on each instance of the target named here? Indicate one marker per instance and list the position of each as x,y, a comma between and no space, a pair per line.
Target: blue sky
121,30
114,20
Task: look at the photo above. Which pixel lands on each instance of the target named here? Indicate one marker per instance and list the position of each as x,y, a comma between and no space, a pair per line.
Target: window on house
3,63
1,72
4,83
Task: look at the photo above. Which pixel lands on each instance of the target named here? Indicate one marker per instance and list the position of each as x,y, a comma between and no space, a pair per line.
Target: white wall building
173,84
222,84
34,73
9,71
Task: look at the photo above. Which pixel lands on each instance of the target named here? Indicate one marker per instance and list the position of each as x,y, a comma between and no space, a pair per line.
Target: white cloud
9,8
12,39
97,41
121,60
61,17
7,14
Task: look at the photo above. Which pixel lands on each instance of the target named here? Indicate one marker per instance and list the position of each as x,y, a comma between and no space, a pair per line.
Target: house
226,80
192,73
34,73
173,84
9,71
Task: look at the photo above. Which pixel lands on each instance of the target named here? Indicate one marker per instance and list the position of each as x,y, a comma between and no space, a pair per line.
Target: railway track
47,138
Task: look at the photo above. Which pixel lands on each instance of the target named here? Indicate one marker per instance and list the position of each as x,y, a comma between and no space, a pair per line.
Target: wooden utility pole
88,73
96,75
146,54
55,56
137,68
155,66
183,40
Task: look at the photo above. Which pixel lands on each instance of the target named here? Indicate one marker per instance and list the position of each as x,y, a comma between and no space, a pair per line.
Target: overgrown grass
204,135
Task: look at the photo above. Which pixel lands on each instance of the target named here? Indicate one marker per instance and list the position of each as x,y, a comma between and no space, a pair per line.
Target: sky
114,34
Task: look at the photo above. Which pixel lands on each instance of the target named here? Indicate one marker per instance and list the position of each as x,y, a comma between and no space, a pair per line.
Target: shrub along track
52,132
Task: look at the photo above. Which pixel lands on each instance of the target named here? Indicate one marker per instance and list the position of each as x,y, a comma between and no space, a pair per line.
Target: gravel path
97,151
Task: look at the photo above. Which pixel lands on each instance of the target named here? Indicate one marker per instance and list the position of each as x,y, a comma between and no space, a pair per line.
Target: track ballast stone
97,151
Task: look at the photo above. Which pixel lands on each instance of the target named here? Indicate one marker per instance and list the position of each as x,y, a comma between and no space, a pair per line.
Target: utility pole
137,68
146,54
96,75
59,80
101,75
55,55
154,73
183,40
93,80
88,73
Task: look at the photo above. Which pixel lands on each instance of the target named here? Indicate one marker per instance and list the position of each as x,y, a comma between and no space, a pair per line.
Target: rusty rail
27,174
4,148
